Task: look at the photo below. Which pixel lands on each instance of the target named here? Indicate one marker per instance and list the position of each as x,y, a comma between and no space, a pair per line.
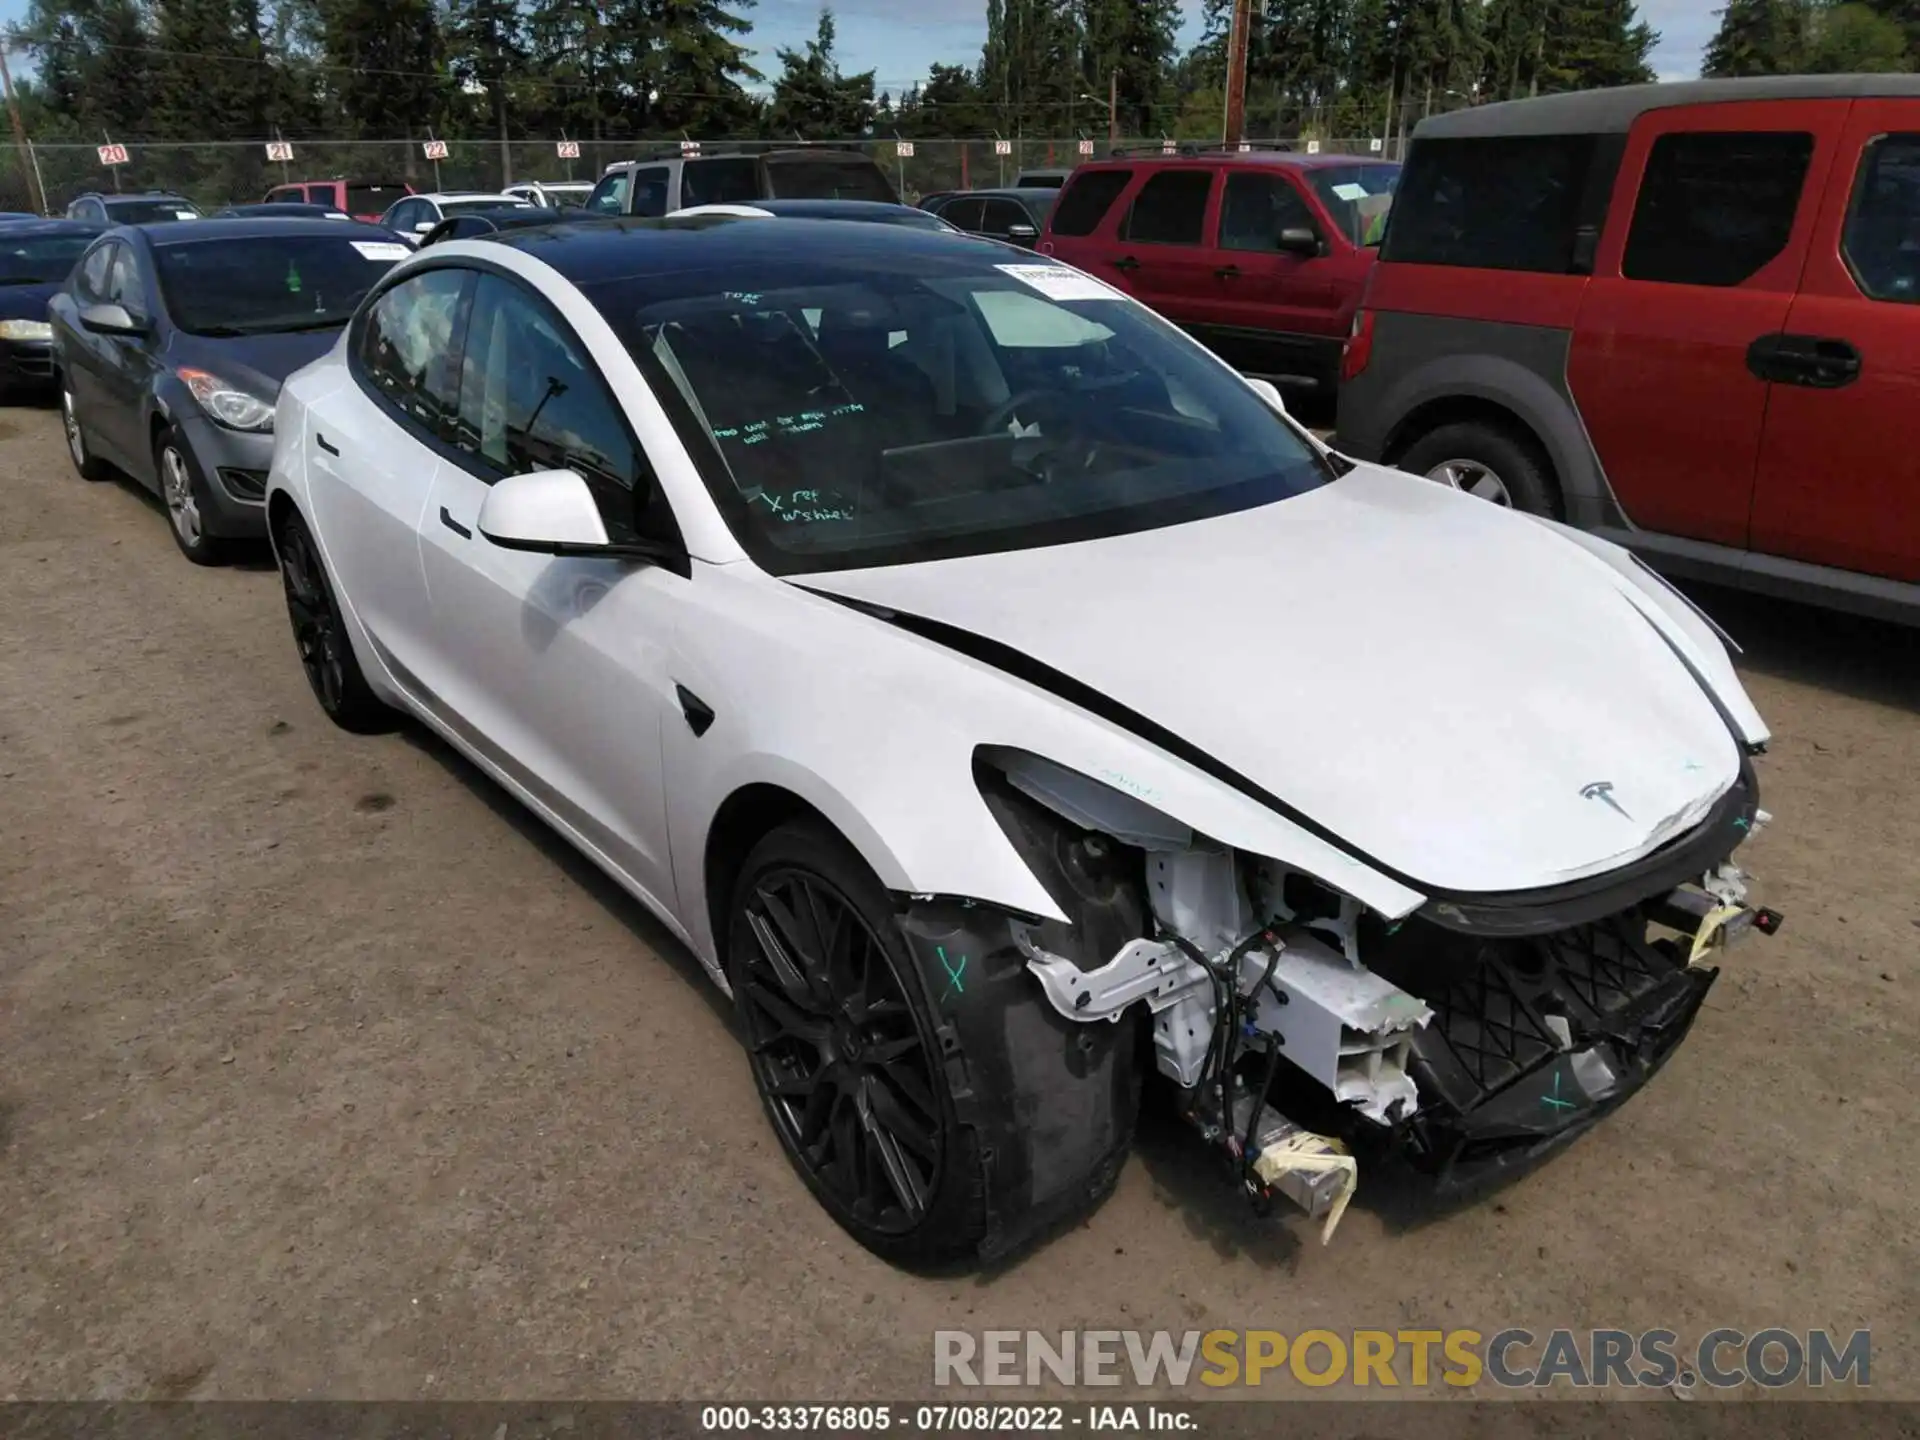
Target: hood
258,363
1457,693
27,302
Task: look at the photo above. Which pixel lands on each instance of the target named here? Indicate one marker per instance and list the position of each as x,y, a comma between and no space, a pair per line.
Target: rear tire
88,467
320,635
1489,461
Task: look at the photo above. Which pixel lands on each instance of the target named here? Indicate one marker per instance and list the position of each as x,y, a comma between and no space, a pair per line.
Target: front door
557,670
1839,480
127,366
1711,218
1274,311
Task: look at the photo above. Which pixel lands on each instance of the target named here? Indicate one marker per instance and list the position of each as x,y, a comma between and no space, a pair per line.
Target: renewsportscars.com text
1513,1358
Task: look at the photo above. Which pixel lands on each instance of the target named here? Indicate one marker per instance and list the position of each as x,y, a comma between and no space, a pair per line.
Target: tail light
1358,350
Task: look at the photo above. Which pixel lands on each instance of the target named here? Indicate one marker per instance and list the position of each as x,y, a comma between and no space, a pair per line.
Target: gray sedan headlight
228,404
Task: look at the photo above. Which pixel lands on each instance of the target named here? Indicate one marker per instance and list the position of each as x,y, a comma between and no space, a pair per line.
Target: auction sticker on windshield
1058,282
381,249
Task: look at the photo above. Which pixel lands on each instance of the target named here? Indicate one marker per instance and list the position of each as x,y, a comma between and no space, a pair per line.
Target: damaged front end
1307,1034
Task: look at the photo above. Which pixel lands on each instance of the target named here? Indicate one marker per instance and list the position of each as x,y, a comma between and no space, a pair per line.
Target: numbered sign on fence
1245,147
1085,147
904,149
1313,147
113,154
568,149
280,151
1374,145
1003,147
1167,147
689,147
435,149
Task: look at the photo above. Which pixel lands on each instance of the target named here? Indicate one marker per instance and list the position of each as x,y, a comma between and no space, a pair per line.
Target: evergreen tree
698,67
1853,39
567,44
1757,37
1131,41
385,56
813,99
486,50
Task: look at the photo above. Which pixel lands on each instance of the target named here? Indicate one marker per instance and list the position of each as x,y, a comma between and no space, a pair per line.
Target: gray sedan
170,343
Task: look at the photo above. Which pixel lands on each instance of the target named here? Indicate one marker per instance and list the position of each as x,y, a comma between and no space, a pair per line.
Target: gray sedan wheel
184,493
83,458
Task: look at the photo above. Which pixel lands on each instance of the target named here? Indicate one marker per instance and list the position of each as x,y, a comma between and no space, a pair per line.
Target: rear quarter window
1087,199
1715,206
1509,202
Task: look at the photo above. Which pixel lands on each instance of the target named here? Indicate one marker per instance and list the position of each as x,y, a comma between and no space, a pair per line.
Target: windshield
896,405
39,259
272,282
147,212
821,177
1358,198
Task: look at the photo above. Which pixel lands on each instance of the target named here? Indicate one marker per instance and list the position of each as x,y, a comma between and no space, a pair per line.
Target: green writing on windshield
758,432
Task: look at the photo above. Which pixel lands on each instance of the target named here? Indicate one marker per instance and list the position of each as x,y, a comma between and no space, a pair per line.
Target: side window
650,192
609,197
282,193
90,276
1882,240
405,215
1256,208
1000,215
1715,206
124,285
730,180
406,345
964,214
1510,202
531,399
1089,195
1171,209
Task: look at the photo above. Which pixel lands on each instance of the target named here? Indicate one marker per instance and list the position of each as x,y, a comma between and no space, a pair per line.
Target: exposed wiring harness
1224,1045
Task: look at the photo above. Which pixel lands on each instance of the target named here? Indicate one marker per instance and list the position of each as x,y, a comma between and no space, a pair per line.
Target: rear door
372,450
1082,230
1166,257
1712,215
1839,476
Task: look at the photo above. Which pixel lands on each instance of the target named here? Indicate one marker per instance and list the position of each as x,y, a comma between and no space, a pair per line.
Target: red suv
362,199
1261,256
1685,317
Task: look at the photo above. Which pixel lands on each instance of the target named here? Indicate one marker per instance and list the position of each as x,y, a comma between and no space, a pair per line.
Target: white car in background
552,194
413,216
1010,706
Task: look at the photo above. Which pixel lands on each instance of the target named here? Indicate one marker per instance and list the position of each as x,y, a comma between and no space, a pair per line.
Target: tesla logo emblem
1602,790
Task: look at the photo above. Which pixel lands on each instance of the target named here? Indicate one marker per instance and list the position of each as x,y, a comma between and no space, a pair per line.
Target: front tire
184,492
320,635
841,1044
934,1101
1489,462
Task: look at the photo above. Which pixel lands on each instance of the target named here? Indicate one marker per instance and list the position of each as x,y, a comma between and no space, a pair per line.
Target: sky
899,39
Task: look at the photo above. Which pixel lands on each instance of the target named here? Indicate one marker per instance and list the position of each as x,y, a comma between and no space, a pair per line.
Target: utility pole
1113,108
1237,39
29,172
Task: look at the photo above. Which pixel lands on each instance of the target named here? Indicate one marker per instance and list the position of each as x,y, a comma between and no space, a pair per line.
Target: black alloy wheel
320,636
841,1056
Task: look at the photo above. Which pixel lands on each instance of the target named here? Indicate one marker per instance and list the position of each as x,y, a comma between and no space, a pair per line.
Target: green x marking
954,972
1554,1101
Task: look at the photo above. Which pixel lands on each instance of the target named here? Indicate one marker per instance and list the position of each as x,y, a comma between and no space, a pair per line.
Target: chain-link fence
216,173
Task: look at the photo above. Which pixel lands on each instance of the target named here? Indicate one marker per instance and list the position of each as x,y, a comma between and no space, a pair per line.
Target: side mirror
424,226
110,319
1297,240
1022,234
549,512
1267,391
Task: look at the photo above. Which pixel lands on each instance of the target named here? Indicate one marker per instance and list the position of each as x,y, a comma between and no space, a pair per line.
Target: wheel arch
1493,389
744,818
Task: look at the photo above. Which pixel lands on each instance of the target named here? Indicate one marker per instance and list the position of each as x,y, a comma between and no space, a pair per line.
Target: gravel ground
324,1071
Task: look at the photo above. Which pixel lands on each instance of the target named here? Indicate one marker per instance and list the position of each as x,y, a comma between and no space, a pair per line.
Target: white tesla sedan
1012,707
